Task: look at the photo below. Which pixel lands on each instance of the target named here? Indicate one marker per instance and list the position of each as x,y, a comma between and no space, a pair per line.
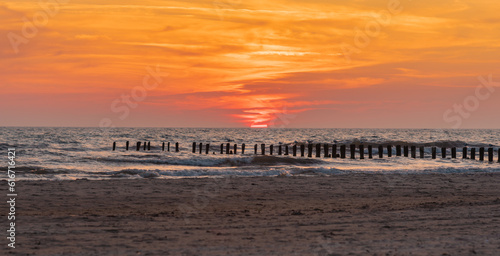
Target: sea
57,153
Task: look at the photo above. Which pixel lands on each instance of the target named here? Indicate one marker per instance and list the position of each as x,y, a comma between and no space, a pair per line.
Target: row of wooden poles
406,150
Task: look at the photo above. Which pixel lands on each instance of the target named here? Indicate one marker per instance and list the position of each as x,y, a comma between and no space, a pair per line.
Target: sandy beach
357,214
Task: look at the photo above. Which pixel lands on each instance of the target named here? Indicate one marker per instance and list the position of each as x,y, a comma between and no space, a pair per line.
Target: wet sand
357,214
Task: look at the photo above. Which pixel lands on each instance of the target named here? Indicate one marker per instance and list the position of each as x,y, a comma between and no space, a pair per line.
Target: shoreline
321,215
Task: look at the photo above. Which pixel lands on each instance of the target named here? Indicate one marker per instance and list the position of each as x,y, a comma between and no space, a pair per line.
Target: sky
234,63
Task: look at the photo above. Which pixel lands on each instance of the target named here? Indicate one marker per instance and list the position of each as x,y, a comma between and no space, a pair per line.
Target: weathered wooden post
271,148
279,149
414,151
361,151
222,148
406,150
228,146
286,150
473,153
149,145
263,149
490,155
353,151
201,148
326,148
389,150
434,152
177,147
138,145
342,151
309,150
255,149
163,146
398,150
370,151
207,148
464,152
114,145
235,147
126,146
243,148
318,150
453,152
302,150
145,145
194,147
481,154
422,152
294,150
168,146
443,152
380,151
334,150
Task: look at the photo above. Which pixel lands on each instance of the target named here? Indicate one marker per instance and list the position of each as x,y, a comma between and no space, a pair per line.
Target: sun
258,126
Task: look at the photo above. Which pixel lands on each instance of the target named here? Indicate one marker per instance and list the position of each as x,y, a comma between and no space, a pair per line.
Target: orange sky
234,63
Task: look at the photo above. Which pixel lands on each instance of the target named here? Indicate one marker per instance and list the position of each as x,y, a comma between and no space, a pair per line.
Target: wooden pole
286,150
279,149
263,149
481,154
114,145
380,151
243,148
168,146
490,155
177,147
361,151
201,148
414,151
194,147
207,148
406,150
453,152
326,148
473,153
235,147
318,150
294,150
271,148
353,151
145,144
398,150
138,145
228,148
464,152
342,151
222,148
443,152
334,150
309,150
389,150
302,150
255,149
434,152
370,151
126,146
422,152
163,146
149,145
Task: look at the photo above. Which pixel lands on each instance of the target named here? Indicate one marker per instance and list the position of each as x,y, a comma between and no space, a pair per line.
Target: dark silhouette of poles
473,153
243,148
201,148
454,152
263,149
334,150
302,150
163,146
326,148
138,145
434,152
389,151
126,146
464,152
279,150
114,145
490,155
235,148
294,150
228,148
353,151
207,147
222,148
342,151
370,151
443,152
145,145
380,151
318,150
309,150
255,149
481,154
286,150
414,151
406,150
398,150
177,147
194,147
271,149
361,151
